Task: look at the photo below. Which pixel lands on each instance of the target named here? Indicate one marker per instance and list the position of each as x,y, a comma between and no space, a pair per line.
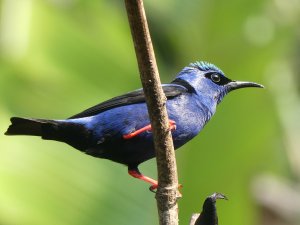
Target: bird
119,129
209,215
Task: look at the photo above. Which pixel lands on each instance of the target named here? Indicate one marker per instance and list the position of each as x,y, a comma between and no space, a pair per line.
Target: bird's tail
72,133
23,126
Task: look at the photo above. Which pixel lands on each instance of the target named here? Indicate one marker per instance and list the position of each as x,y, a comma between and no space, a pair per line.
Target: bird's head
208,80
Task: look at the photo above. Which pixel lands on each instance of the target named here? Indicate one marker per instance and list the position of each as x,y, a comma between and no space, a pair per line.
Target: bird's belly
140,148
133,151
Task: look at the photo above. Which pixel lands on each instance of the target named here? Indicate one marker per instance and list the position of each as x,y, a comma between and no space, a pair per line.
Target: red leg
137,174
172,125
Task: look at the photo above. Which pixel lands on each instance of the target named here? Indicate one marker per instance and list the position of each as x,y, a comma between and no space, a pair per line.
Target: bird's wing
170,90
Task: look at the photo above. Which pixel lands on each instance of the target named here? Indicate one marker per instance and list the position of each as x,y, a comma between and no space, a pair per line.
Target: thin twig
167,192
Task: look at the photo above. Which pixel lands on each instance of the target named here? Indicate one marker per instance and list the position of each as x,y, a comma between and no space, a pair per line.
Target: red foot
154,184
172,125
137,174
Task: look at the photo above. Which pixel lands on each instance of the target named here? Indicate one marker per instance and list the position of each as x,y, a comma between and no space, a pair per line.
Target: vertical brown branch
167,191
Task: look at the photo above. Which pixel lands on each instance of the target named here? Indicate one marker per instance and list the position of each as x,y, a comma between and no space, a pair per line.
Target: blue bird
119,129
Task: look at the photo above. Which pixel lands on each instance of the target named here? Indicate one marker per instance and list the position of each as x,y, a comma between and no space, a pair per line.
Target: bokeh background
58,57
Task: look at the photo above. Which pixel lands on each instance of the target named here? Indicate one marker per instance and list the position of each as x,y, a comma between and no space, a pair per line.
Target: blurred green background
59,57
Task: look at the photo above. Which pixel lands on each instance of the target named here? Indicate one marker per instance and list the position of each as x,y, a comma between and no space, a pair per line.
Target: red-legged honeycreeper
119,129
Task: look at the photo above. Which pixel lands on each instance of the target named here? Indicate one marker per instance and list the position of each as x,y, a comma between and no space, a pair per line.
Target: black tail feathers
73,134
23,126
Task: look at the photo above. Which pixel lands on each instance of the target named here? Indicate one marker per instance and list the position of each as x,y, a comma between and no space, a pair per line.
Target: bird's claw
172,125
153,187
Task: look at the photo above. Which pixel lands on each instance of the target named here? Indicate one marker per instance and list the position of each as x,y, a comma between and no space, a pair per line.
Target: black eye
215,77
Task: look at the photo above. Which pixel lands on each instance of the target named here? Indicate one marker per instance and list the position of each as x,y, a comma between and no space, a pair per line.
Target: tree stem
167,192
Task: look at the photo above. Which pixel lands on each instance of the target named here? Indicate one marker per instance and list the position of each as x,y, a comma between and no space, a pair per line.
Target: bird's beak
233,85
217,195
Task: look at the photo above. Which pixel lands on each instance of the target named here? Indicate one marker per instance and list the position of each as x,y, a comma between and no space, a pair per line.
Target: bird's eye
215,77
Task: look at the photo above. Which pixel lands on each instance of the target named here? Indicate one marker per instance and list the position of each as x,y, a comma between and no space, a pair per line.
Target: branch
167,192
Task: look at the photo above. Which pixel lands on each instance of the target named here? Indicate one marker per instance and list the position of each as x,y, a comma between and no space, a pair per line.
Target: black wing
170,90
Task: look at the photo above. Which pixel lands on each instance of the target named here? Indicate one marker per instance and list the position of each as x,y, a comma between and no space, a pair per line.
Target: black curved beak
233,85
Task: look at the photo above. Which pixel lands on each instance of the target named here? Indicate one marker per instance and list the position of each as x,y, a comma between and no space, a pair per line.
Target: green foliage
79,53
